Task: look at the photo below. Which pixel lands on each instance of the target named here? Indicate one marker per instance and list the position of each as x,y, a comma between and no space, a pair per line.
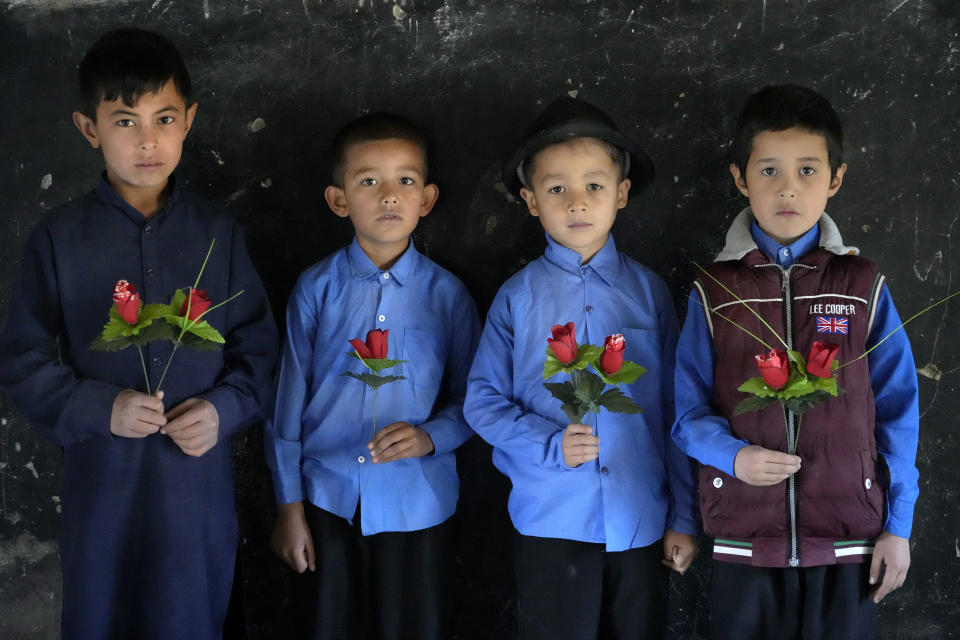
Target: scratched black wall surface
276,78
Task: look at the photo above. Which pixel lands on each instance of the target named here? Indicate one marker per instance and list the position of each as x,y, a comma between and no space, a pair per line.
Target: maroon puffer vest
833,508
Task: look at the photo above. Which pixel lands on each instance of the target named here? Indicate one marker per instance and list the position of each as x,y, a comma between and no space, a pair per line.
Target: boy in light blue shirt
599,508
366,510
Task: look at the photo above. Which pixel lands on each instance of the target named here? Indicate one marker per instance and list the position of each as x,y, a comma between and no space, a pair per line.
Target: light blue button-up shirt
316,444
641,483
706,435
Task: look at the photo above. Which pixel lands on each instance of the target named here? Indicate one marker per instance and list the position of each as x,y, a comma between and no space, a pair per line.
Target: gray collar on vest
739,242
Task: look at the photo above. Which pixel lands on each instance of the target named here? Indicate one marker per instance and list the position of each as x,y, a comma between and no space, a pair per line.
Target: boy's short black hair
370,127
127,63
781,107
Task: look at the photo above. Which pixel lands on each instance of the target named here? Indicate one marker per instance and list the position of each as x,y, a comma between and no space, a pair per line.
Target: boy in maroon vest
805,545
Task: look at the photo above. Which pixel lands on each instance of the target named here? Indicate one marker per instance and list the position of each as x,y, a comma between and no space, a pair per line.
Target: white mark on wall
490,225
256,125
398,12
897,8
206,9
217,157
46,181
25,549
32,469
266,183
931,371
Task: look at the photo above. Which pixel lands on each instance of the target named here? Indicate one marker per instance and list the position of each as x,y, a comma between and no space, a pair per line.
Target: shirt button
381,317
604,470
718,482
867,483
583,272
386,276
361,459
148,229
589,308
157,361
150,272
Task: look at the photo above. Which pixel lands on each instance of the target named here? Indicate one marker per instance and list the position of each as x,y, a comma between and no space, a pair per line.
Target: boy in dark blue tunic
149,527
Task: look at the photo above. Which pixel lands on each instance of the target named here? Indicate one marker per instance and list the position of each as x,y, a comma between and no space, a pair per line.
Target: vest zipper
791,420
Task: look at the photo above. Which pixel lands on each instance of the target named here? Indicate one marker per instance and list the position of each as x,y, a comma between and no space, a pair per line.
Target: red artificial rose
564,342
127,300
612,357
198,304
821,358
775,368
376,346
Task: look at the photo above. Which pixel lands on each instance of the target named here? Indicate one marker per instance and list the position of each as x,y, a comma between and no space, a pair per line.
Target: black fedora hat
566,118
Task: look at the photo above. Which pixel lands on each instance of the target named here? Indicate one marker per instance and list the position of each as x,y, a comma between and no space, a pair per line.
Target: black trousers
812,603
579,591
387,586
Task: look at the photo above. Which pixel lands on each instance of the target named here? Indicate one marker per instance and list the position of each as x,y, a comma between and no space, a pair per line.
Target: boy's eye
369,182
406,180
125,122
593,186
165,120
807,171
768,171
555,189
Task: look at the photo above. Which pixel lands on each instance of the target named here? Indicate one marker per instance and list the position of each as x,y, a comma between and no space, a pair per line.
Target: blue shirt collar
785,256
361,266
606,262
109,195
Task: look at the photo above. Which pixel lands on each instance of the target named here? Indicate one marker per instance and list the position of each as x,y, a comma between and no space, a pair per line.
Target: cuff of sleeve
229,410
287,488
97,400
900,520
445,434
554,458
683,524
722,453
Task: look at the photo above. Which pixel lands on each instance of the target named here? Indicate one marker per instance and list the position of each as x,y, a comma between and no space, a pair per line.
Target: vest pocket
871,486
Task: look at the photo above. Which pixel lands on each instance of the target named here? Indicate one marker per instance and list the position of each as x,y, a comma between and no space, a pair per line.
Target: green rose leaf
375,364
371,380
757,387
628,373
562,391
574,412
586,386
616,401
586,353
753,403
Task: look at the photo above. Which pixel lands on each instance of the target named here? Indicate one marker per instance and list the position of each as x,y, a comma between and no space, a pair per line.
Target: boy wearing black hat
600,509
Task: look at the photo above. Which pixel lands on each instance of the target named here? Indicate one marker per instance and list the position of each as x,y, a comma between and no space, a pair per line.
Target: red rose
612,357
820,358
127,300
375,347
564,342
775,368
198,304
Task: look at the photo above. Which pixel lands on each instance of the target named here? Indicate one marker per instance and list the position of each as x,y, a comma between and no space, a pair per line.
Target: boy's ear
531,200
87,127
623,190
191,113
739,179
337,200
837,180
430,194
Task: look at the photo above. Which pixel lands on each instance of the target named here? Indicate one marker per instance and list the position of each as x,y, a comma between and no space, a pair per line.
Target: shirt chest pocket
424,352
643,347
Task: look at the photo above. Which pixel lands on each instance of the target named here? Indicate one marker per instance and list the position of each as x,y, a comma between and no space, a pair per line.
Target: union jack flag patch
833,324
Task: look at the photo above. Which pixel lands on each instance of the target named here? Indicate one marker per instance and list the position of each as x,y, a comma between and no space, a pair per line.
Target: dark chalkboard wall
276,78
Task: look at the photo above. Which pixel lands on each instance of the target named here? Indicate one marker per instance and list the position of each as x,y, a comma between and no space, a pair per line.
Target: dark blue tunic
149,533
